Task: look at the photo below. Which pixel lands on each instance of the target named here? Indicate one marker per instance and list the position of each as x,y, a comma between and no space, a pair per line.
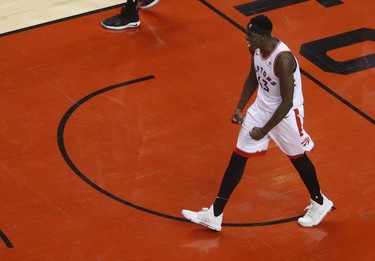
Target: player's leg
128,17
307,172
212,217
246,147
294,141
320,205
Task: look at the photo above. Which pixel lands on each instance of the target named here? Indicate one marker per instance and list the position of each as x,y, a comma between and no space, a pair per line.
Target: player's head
260,24
257,30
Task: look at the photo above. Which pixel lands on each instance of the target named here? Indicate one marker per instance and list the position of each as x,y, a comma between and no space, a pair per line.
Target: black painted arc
6,240
64,153
320,84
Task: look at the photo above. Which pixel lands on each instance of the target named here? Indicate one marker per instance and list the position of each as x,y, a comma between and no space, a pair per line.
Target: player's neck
269,46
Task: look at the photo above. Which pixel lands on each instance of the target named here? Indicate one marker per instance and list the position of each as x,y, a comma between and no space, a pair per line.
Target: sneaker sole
129,25
320,219
203,224
150,5
206,225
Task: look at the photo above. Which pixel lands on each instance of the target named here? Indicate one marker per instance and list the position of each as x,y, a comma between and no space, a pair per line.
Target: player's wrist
262,132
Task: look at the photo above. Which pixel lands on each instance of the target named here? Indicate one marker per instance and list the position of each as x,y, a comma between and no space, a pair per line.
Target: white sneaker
315,212
205,217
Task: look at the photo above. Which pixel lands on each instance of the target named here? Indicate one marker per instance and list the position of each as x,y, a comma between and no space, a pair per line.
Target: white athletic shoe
315,212
205,217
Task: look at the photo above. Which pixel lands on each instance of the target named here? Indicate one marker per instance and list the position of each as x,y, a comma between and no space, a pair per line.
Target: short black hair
262,23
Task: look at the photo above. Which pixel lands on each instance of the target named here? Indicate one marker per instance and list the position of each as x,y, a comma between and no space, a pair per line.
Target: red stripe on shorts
299,123
249,155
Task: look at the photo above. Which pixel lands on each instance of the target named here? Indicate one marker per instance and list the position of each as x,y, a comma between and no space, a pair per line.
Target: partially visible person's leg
128,17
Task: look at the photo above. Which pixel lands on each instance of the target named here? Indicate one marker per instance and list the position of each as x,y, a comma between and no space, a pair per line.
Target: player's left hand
237,117
256,133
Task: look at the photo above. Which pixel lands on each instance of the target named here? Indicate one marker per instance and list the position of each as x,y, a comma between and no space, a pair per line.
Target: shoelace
313,211
203,214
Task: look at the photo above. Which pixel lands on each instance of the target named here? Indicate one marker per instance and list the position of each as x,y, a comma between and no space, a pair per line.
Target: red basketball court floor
106,136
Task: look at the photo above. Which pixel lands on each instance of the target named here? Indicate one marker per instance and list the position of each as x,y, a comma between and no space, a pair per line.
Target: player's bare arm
249,87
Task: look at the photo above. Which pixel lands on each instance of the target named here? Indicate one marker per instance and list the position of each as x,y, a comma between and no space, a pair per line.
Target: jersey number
263,84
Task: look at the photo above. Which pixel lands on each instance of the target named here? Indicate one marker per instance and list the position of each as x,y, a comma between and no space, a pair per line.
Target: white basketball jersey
269,97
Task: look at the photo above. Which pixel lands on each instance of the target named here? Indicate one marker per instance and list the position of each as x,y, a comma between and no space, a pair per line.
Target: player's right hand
237,117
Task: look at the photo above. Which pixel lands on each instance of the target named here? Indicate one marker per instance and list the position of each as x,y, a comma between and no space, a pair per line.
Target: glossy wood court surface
107,135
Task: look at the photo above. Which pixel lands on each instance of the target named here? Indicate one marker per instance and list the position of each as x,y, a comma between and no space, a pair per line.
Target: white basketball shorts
289,134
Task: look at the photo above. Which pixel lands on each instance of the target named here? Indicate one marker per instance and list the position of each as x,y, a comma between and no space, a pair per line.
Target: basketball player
128,17
277,114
